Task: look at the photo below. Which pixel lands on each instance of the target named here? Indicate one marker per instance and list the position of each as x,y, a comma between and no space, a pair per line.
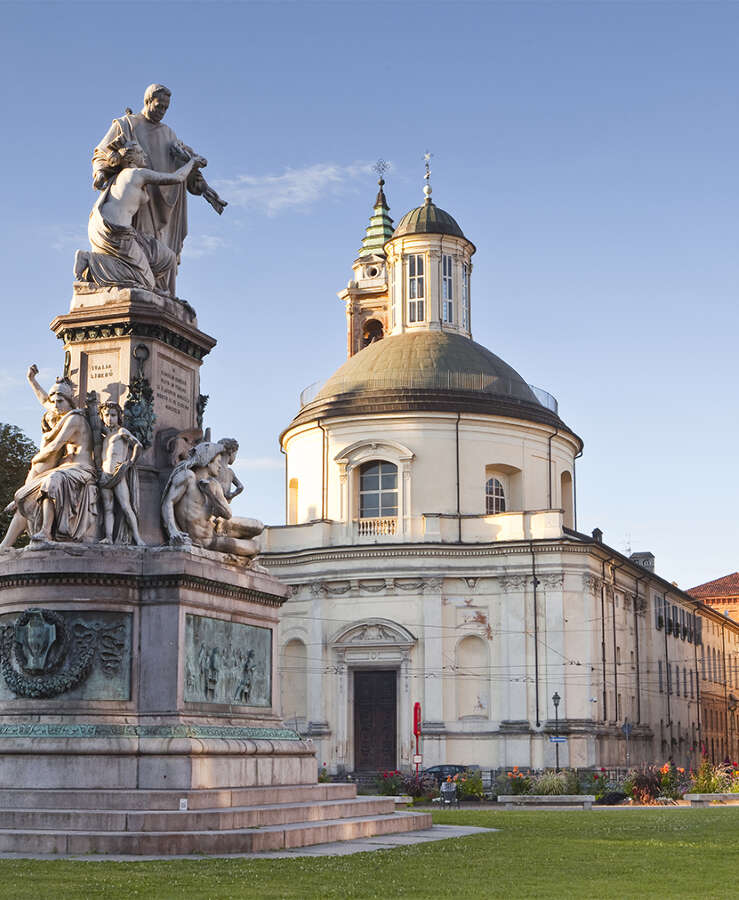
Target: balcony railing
377,527
456,381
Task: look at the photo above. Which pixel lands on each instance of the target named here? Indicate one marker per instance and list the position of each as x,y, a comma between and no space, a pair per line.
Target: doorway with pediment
372,659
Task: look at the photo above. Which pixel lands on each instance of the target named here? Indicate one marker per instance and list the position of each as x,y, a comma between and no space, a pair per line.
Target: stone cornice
178,581
404,551
190,346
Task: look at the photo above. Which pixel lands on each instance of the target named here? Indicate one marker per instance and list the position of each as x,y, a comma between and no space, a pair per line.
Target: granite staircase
68,822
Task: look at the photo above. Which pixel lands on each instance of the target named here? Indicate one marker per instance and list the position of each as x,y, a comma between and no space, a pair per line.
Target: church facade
432,551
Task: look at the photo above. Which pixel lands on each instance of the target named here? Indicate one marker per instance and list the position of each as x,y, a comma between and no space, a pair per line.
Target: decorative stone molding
134,329
591,583
408,585
227,732
373,632
513,582
552,581
141,582
373,586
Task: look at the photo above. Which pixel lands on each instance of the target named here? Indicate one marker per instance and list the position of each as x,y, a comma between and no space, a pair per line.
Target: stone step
143,843
221,819
54,798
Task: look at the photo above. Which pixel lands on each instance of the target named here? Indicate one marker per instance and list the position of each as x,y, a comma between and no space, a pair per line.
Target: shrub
549,783
644,784
715,779
421,785
323,775
513,782
469,786
390,783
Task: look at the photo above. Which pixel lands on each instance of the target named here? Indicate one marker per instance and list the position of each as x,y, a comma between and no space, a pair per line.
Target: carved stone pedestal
138,712
132,345
141,667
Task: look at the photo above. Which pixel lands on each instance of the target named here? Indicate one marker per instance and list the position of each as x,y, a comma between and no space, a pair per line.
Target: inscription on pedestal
226,662
174,393
103,370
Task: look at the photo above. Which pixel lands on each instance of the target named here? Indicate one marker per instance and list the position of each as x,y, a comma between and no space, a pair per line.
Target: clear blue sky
589,150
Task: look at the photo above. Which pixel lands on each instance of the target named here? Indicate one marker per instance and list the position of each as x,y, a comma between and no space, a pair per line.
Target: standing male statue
164,214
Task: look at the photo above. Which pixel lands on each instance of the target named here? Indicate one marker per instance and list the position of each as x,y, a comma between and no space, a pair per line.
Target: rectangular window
669,678
416,288
465,296
659,674
685,682
447,268
677,680
692,695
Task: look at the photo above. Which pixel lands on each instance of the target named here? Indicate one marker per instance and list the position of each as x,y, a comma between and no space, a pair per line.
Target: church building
432,551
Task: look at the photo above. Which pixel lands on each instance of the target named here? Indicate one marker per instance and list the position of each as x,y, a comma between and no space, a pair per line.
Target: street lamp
555,700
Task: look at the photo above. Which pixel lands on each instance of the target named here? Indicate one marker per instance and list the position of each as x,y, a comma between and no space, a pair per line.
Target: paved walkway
338,848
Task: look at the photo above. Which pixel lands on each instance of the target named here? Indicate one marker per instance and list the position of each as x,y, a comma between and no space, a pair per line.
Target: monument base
138,711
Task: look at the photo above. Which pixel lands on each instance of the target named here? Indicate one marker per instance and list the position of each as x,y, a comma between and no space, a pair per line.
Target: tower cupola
429,263
365,297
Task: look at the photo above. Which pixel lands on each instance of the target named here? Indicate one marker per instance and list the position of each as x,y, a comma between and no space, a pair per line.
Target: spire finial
427,177
379,168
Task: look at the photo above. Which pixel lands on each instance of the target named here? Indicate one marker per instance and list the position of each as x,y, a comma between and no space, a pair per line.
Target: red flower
602,769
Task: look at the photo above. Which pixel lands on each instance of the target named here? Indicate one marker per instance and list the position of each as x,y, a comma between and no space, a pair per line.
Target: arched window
372,331
378,490
494,496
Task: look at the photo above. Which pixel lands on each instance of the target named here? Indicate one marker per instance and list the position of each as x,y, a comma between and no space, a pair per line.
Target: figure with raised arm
118,482
121,255
59,500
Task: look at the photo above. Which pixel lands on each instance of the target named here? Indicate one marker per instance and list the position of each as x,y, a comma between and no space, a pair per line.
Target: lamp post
555,700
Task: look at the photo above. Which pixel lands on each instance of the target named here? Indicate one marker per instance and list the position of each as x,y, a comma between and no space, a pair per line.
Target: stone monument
137,633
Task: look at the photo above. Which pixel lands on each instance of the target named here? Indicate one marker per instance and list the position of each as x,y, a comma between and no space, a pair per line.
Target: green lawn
609,853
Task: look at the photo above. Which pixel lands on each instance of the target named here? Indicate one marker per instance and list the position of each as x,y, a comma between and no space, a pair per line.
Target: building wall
424,447
457,623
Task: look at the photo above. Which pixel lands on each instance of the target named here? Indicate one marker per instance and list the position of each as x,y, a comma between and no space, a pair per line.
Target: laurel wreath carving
48,685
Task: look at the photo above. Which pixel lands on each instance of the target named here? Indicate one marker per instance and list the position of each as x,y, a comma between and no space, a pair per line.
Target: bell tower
366,295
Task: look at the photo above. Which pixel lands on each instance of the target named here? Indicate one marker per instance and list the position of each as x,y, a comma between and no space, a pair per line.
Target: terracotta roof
728,586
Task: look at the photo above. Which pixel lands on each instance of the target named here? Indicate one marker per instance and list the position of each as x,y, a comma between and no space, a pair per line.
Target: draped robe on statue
69,481
165,214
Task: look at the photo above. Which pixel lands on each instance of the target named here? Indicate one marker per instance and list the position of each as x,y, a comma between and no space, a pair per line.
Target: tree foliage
16,452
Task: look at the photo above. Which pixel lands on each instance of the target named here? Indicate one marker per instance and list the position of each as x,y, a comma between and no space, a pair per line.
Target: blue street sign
557,740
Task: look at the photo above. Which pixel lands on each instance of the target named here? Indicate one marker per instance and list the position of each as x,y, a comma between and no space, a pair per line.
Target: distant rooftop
727,586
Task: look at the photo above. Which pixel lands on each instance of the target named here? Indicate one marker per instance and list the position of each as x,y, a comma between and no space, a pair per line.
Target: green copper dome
434,360
427,219
427,371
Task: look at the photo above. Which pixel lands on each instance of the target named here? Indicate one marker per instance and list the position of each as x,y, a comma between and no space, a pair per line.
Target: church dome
427,371
427,219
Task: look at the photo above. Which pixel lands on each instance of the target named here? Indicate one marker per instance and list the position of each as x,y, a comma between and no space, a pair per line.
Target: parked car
441,773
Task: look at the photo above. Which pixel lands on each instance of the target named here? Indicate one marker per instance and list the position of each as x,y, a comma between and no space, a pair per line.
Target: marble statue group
83,484
139,223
